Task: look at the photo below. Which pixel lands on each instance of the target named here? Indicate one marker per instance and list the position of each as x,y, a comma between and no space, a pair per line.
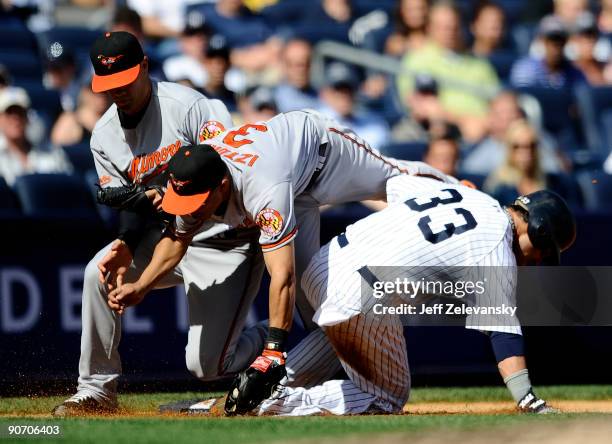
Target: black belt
342,240
320,166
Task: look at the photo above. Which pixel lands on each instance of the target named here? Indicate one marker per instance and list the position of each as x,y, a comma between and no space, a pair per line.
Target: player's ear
145,64
225,183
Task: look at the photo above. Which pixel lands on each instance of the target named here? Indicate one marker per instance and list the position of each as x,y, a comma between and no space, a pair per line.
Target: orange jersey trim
285,239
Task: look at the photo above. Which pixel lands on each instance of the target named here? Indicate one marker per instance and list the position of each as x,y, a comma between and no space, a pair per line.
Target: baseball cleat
83,404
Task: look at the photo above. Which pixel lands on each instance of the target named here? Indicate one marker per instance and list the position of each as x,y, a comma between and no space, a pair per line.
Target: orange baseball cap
116,58
194,172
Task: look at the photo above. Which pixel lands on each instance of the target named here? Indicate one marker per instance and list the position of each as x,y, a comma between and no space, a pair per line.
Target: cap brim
105,83
174,203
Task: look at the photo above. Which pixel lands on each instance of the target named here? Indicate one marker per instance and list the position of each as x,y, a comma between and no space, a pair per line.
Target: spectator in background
128,20
295,91
465,81
61,74
257,105
604,20
76,126
254,48
338,98
553,70
568,11
424,107
327,20
490,153
443,148
608,164
190,64
520,174
17,154
581,47
217,63
410,23
488,29
160,18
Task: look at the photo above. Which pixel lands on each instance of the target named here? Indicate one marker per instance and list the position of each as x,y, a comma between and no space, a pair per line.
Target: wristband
276,339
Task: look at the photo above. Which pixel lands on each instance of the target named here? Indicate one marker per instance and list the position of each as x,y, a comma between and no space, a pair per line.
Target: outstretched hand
114,265
125,295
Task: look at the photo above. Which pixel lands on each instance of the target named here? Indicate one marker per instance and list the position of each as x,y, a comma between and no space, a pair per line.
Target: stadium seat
17,38
522,35
567,187
77,39
405,151
56,196
558,114
109,216
80,157
22,65
513,9
9,205
502,62
596,114
46,103
597,190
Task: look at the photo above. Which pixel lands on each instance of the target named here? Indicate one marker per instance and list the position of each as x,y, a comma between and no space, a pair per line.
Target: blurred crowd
515,95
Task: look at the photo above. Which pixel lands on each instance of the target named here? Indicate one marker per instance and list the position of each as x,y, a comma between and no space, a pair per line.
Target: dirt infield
417,408
491,408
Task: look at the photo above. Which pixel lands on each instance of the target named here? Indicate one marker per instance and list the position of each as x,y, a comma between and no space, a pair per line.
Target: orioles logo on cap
109,60
178,184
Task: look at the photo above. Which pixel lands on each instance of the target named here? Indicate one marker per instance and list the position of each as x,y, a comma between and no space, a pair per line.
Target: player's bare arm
168,253
281,267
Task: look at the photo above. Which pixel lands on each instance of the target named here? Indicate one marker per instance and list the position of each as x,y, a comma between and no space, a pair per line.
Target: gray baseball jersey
221,276
284,169
176,116
271,163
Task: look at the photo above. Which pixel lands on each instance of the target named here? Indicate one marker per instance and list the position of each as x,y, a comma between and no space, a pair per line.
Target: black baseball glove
256,383
128,197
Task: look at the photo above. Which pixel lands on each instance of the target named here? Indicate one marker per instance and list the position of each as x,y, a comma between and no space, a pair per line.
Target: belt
342,240
320,165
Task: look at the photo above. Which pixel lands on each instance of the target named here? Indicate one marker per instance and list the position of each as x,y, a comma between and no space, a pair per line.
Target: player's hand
125,295
155,197
115,264
468,183
532,404
256,383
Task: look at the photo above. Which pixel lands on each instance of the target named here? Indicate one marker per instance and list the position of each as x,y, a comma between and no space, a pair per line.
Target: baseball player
273,175
446,232
132,143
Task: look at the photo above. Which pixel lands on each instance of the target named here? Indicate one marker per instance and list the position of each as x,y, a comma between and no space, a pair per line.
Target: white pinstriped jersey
447,232
427,224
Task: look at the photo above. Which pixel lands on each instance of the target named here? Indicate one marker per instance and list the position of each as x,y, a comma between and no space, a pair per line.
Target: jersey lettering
243,131
449,229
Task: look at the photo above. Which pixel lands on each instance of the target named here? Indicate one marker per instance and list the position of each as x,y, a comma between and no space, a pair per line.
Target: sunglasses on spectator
530,145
